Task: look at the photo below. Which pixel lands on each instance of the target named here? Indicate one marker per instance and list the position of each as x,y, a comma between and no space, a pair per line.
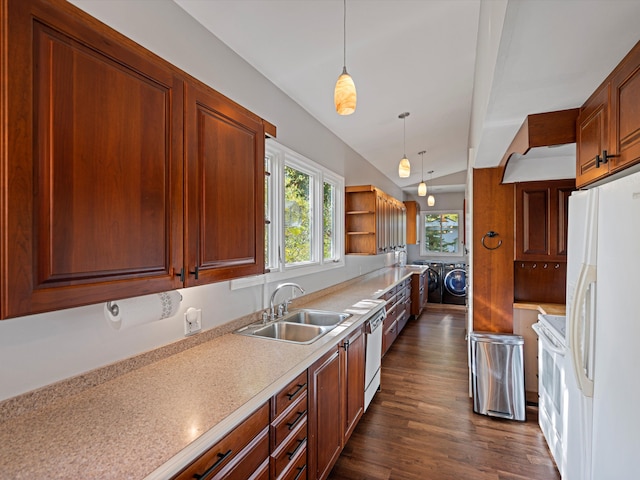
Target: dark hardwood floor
421,424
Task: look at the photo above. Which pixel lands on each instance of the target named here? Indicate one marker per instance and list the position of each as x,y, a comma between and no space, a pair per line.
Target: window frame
423,241
276,157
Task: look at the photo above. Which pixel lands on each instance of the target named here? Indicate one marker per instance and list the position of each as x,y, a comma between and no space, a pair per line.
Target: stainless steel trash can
497,371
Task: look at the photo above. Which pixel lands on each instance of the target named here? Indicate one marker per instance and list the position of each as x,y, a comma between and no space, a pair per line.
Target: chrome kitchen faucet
284,307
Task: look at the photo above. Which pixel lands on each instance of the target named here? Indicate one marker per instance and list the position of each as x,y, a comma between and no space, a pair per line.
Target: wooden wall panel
493,210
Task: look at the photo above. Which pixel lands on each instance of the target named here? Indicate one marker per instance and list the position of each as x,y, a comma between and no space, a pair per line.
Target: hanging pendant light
344,95
422,188
404,168
431,201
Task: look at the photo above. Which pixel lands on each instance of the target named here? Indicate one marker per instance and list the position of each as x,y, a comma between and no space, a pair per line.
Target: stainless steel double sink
301,326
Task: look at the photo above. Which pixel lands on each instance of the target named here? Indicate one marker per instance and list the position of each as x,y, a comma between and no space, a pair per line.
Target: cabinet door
93,165
325,427
224,173
541,220
625,112
533,220
353,358
593,137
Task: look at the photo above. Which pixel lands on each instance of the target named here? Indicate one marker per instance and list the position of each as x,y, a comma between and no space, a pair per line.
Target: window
441,233
305,214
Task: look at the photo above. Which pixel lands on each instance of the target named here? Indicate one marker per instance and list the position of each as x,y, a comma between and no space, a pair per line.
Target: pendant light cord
404,136
344,36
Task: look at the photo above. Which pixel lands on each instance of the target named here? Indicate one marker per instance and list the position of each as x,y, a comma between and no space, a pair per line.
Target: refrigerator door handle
577,341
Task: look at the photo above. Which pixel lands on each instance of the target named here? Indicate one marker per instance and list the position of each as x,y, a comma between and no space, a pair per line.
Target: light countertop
544,308
152,421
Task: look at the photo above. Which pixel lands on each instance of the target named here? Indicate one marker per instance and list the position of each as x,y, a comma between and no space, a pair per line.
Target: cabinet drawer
283,426
389,293
222,454
297,469
249,461
289,450
289,394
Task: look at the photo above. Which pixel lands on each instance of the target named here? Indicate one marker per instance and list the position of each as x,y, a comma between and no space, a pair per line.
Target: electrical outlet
192,321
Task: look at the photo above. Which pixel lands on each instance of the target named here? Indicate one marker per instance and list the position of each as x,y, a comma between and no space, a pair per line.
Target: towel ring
491,234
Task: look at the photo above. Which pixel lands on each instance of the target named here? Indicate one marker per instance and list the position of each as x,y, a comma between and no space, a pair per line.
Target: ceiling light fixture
422,188
404,168
344,95
431,201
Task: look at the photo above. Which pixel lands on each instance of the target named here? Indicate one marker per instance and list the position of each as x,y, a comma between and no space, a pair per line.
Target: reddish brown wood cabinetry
419,292
541,220
609,124
375,221
224,215
242,454
592,137
101,200
325,426
336,396
625,112
289,430
412,212
353,358
93,164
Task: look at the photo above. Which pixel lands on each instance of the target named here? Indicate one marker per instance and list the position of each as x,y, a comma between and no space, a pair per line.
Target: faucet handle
286,306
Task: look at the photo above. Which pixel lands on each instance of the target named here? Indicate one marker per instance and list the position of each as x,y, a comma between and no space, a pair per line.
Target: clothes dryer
434,276
454,284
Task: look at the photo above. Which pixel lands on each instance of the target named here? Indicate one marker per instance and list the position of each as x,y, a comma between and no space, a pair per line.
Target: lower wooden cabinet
325,432
242,454
289,431
398,310
336,395
419,292
352,385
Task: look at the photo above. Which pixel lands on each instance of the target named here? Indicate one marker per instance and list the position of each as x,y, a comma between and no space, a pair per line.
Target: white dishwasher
373,356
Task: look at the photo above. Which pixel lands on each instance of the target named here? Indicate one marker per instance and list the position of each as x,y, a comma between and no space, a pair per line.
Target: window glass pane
441,232
328,221
297,216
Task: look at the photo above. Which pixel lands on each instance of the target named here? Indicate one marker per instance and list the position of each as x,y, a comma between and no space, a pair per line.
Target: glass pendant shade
431,201
404,168
344,95
422,189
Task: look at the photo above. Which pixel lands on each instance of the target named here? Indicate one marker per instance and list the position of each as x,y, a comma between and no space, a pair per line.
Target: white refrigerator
602,370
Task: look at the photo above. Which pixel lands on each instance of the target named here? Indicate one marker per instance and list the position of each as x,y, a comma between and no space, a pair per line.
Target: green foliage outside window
441,232
297,216
328,196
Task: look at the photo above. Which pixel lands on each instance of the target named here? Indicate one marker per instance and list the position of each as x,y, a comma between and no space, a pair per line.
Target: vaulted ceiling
468,71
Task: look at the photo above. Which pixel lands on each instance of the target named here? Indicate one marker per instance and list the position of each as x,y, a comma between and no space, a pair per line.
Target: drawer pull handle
298,418
221,458
300,471
298,447
298,390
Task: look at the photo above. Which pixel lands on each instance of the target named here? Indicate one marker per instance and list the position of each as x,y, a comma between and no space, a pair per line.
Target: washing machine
454,283
434,277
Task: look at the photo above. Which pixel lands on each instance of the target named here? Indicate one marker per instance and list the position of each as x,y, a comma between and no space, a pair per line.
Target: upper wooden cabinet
93,165
375,221
224,188
609,124
593,137
412,212
541,220
625,112
96,181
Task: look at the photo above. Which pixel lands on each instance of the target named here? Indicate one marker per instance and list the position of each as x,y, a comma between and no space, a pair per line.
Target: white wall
444,201
40,349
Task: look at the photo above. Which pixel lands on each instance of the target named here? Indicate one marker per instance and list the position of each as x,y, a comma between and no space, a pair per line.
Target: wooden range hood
542,130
